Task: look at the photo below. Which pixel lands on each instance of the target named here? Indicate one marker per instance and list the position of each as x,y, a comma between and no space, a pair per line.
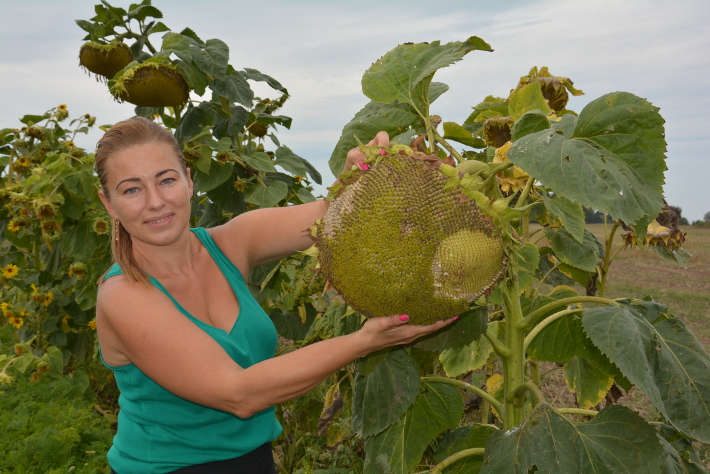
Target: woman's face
148,193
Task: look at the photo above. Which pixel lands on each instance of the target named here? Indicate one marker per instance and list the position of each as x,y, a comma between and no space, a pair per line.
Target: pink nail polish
363,166
382,152
456,317
403,317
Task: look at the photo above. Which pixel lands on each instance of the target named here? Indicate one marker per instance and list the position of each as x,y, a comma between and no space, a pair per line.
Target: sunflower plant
468,399
55,239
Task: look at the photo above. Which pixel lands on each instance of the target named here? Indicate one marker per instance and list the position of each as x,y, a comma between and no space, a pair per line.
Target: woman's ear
190,184
107,204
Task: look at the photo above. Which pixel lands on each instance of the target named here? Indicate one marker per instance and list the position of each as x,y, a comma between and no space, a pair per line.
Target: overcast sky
659,50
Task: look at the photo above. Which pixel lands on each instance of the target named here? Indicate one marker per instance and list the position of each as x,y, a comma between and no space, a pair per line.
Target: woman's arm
264,235
185,360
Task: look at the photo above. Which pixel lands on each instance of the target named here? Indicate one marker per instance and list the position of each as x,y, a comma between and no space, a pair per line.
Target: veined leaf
464,437
178,44
80,241
570,213
473,356
254,75
260,161
234,87
530,122
399,73
614,161
374,117
469,327
266,196
400,447
661,357
679,455
526,99
580,255
394,118
219,173
616,440
291,162
381,397
588,380
213,58
454,131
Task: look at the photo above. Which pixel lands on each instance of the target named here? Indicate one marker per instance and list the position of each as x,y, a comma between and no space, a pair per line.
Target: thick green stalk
576,411
527,323
513,366
608,257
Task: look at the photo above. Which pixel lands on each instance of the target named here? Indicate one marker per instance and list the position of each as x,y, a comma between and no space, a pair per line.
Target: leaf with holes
613,162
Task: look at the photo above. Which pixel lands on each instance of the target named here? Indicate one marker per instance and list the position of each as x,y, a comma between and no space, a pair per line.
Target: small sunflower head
10,271
77,270
62,113
240,185
101,226
496,131
35,132
14,320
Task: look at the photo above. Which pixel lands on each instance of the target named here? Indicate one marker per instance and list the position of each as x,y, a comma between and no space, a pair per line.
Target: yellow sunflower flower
4,307
62,107
13,227
92,324
35,291
69,144
15,321
10,271
48,297
23,161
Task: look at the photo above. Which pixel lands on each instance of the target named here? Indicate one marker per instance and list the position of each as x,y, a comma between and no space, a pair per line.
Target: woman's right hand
378,333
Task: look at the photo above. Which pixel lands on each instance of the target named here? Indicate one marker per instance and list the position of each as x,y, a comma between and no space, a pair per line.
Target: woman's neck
165,261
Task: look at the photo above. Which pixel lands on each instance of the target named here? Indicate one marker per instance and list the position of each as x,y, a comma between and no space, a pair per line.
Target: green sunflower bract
395,241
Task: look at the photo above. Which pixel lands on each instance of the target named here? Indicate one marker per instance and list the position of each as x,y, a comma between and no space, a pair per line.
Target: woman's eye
168,180
130,191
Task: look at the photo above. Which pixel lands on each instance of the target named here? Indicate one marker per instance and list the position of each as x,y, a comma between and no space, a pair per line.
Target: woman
192,351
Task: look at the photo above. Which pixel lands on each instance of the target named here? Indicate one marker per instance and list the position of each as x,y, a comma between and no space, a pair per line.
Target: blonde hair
134,131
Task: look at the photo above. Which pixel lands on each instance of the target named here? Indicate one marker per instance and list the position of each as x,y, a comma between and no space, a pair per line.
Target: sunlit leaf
526,99
398,73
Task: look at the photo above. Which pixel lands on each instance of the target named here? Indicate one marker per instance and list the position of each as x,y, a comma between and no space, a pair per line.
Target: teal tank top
159,432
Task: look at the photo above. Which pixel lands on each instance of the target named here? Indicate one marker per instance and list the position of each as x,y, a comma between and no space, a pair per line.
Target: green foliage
560,169
49,425
615,440
55,232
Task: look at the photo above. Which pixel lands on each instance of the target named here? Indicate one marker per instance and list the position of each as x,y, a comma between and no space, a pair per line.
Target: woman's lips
160,221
